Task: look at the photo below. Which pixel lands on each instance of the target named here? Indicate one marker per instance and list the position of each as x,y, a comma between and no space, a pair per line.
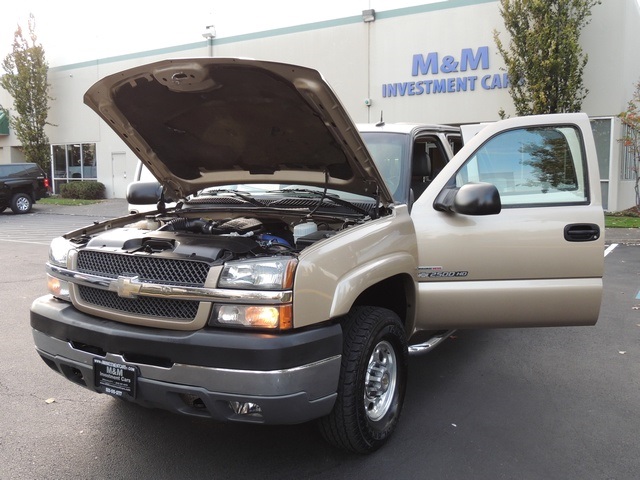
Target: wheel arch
396,293
387,283
24,189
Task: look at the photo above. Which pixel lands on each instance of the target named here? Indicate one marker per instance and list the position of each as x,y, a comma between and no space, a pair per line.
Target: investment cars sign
437,74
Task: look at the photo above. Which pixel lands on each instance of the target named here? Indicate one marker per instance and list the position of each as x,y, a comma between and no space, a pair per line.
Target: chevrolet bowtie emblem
126,287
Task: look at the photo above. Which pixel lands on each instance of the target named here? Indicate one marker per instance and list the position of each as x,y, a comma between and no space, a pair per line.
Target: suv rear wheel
372,381
21,203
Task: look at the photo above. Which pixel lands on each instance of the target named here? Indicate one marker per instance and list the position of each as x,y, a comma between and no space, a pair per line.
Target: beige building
434,63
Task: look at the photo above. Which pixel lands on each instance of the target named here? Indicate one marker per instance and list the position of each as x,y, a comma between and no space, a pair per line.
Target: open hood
202,122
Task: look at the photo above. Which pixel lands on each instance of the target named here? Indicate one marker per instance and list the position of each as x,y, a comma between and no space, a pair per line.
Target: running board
430,344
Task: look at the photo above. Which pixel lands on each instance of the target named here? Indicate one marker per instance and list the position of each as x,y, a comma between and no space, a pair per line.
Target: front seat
420,171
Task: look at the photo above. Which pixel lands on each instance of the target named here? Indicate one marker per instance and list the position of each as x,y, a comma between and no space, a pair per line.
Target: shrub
82,190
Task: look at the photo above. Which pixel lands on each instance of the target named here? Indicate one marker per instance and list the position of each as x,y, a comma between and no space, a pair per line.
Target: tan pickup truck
305,256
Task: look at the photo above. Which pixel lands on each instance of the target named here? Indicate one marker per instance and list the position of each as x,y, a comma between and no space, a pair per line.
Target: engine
215,241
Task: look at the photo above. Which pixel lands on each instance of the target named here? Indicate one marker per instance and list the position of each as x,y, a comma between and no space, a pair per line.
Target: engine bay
215,240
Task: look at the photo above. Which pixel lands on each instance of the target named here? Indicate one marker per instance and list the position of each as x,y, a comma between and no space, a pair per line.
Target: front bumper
292,377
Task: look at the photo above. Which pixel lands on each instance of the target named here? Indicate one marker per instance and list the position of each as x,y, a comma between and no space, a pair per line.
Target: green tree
544,59
25,79
630,118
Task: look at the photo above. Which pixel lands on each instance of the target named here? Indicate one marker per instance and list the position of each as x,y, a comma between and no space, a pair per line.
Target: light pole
210,34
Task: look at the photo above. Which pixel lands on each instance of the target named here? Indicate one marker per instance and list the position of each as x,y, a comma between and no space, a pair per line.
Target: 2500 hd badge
282,285
437,272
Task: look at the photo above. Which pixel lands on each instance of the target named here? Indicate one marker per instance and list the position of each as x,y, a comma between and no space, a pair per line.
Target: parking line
24,241
610,249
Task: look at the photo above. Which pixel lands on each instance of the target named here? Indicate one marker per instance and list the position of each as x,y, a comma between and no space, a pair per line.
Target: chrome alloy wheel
380,381
23,204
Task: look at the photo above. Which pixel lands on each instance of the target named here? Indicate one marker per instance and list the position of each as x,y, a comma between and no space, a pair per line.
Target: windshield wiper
322,195
243,196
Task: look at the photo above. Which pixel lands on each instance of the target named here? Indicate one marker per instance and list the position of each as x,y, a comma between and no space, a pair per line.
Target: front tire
373,378
21,203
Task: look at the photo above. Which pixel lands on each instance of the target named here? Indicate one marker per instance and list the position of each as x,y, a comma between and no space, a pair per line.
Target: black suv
21,185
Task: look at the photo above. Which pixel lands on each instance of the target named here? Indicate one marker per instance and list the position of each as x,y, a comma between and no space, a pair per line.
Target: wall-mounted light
368,15
210,32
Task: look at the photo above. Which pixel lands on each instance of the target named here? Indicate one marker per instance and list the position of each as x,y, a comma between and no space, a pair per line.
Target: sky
73,31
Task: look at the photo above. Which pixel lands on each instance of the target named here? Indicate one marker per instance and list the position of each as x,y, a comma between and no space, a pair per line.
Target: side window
388,158
531,166
388,151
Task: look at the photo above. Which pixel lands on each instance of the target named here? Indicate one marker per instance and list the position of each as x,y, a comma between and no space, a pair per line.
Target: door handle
581,232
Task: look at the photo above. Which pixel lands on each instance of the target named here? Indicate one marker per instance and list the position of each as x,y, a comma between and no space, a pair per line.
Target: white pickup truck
305,256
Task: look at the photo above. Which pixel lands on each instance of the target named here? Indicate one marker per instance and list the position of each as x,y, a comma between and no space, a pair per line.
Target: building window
73,162
602,130
628,166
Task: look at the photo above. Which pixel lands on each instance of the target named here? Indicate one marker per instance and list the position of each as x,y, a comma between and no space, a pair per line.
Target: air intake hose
195,225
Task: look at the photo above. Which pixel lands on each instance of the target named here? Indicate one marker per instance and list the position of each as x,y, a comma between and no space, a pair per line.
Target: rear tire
21,203
372,383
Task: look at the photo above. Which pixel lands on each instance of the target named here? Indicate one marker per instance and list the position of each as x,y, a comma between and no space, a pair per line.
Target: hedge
82,190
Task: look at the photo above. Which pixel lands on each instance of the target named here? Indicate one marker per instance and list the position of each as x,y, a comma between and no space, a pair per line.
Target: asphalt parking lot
515,404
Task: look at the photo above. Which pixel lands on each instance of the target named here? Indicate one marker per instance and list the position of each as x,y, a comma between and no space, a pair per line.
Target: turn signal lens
273,317
58,288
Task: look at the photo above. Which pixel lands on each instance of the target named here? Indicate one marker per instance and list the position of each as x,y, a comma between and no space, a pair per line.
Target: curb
110,208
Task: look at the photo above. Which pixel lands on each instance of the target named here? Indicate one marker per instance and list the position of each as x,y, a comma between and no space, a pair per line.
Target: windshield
388,151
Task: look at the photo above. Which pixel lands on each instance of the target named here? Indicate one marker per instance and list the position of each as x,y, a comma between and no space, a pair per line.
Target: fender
332,274
349,287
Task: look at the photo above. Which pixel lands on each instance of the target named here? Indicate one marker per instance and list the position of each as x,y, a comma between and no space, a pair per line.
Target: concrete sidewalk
627,236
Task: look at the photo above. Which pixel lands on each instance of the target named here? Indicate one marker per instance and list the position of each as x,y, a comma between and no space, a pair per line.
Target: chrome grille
165,271
147,306
148,269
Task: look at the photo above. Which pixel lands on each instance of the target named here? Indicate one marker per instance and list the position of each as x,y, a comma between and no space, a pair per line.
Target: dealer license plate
115,379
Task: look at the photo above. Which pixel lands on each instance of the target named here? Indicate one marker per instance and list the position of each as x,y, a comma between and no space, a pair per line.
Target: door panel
516,268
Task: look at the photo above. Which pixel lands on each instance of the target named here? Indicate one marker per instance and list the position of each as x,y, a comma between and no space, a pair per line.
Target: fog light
58,288
246,408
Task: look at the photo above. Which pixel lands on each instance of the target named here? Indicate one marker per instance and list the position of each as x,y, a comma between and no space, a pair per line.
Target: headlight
58,254
59,251
259,274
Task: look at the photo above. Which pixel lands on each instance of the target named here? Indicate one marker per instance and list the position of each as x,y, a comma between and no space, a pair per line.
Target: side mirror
470,199
144,193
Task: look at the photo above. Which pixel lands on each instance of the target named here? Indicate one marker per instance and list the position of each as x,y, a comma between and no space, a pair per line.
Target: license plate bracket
116,379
